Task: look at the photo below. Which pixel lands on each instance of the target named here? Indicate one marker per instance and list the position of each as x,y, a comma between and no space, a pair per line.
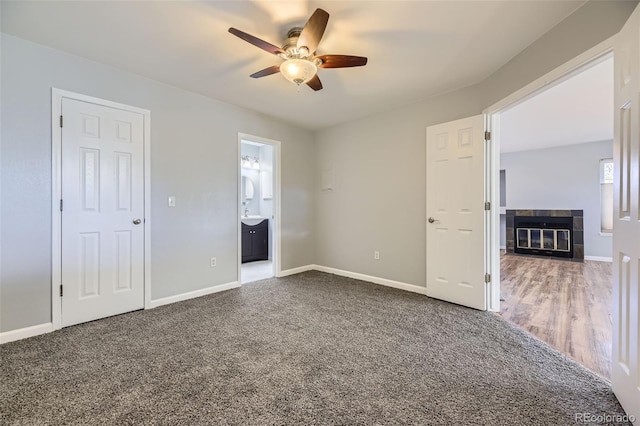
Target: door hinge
61,292
61,121
487,205
487,135
487,278
60,205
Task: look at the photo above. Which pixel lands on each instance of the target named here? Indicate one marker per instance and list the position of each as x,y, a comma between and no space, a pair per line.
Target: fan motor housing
291,43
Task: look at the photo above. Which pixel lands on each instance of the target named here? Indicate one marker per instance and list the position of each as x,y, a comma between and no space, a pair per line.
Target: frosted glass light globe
298,71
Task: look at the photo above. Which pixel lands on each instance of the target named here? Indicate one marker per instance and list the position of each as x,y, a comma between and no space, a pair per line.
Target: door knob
431,220
137,221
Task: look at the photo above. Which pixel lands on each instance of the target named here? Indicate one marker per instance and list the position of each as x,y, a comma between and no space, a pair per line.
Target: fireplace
555,233
543,235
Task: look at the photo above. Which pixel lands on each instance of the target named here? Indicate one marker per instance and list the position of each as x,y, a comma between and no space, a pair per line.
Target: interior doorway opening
555,241
258,240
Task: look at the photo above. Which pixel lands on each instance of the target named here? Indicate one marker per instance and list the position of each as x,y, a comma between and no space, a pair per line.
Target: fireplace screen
547,239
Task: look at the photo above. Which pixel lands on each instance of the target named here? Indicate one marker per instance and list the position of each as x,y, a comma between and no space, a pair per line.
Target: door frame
276,237
56,195
567,70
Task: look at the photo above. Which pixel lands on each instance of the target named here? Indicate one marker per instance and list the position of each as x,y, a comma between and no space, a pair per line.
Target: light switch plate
172,201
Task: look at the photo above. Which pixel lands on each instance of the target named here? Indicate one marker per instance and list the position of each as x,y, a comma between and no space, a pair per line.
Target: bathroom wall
266,201
252,206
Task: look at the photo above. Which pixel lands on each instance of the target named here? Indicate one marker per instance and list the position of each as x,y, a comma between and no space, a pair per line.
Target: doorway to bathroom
258,206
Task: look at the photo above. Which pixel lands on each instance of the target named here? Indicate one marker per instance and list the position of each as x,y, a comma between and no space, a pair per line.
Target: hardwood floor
565,304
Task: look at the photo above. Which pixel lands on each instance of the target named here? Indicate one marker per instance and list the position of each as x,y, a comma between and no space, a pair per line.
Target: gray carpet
308,349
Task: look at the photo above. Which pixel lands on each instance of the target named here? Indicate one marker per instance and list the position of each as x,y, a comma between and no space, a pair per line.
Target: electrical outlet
213,262
376,255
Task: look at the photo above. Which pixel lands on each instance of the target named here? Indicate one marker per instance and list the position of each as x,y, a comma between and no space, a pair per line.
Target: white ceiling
415,48
578,110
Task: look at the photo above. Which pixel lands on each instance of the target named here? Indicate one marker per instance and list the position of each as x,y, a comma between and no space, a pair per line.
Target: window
606,195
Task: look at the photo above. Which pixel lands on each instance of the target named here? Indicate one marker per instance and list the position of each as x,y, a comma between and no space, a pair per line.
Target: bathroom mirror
247,188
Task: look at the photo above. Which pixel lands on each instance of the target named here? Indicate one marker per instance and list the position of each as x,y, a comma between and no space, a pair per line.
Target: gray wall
503,231
266,205
379,162
379,196
586,27
566,177
194,156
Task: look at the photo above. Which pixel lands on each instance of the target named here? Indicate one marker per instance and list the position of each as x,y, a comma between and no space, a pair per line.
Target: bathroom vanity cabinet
255,241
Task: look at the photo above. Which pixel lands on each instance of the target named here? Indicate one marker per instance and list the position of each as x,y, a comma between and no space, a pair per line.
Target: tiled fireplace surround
578,229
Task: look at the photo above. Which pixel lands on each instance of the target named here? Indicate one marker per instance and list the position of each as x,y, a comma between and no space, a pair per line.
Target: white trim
298,270
492,217
192,294
376,280
147,208
503,247
599,258
23,333
277,204
605,234
56,217
56,194
369,278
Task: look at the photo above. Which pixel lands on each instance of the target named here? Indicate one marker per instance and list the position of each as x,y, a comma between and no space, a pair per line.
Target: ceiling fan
299,53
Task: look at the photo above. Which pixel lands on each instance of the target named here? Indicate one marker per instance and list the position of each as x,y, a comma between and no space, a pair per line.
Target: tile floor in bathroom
254,271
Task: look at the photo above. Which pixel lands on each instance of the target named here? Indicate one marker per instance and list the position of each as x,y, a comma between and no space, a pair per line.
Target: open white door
625,374
455,211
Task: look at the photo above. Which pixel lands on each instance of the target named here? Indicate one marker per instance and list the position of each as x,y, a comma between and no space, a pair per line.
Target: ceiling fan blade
267,71
341,61
315,83
313,30
256,41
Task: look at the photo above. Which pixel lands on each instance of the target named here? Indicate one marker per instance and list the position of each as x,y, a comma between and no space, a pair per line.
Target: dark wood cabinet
255,242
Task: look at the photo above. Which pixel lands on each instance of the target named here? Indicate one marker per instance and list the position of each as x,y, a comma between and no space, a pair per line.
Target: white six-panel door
626,230
455,211
102,226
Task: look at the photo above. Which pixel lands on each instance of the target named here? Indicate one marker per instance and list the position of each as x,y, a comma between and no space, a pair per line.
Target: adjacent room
258,211
556,215
285,212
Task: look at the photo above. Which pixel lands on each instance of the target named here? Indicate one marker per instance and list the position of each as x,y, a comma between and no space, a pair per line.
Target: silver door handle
137,221
431,220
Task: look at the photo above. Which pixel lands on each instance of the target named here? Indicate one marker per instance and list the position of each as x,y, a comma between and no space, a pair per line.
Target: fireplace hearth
554,233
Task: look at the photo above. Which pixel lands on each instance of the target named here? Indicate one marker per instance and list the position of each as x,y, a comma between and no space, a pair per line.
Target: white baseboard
295,270
376,280
23,333
599,258
192,294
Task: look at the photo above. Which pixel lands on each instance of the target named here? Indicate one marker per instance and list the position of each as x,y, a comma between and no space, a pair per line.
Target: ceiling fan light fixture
298,52
298,71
